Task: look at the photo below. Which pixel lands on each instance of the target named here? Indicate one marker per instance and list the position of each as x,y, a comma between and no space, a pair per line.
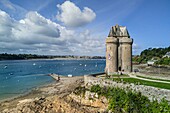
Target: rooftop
168,54
118,31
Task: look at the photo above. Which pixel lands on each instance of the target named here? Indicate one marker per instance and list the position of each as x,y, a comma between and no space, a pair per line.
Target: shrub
121,100
96,89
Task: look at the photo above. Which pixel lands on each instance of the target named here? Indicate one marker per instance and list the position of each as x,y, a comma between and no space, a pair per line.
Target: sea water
20,76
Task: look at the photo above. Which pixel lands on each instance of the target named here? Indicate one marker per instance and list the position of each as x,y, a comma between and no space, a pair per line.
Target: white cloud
38,35
37,26
28,32
136,48
71,15
8,4
12,9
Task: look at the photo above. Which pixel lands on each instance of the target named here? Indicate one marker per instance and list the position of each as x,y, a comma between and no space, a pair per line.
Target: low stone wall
150,92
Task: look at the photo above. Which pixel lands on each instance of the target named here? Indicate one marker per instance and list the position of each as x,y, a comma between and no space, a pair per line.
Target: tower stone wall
112,49
118,51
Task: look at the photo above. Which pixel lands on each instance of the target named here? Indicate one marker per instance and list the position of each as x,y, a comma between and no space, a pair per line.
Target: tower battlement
111,40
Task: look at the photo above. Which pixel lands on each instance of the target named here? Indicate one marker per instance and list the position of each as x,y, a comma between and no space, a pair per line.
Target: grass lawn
144,82
153,78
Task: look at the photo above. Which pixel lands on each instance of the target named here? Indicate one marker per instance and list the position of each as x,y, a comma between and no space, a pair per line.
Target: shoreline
26,92
32,90
61,88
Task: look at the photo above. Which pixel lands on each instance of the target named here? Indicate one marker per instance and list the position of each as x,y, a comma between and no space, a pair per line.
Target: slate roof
118,31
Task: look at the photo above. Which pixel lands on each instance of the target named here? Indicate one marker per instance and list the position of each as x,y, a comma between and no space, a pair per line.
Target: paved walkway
134,76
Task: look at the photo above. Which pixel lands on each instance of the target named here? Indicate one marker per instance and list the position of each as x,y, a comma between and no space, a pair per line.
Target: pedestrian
58,78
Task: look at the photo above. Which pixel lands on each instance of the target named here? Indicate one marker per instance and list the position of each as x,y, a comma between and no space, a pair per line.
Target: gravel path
135,76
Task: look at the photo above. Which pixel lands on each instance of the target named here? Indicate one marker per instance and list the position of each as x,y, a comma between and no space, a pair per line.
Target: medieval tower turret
118,50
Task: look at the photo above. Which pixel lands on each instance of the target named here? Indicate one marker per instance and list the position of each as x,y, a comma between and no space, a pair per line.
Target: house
167,55
150,62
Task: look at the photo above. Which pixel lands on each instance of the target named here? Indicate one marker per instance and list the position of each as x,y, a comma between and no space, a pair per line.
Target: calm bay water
20,76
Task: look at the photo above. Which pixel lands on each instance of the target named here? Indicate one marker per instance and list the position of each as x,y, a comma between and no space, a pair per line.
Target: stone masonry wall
150,92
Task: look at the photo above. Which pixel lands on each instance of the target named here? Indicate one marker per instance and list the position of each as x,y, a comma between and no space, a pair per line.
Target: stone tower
118,50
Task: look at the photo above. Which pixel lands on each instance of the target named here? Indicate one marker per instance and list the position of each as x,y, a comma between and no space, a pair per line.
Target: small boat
34,64
11,74
85,65
70,75
5,67
80,64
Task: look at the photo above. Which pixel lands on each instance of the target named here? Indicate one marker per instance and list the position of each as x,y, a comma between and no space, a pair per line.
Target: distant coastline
6,56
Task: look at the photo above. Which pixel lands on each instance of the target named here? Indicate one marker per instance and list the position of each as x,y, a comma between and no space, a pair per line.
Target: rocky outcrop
38,105
91,99
57,98
54,104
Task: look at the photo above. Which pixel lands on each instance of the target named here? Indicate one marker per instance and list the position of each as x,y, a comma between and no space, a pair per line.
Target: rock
6,110
109,111
26,110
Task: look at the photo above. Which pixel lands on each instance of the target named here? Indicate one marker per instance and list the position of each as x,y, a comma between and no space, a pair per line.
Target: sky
80,27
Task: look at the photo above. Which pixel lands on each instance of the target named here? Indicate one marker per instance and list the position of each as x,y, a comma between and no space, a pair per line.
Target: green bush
96,89
153,53
163,61
124,100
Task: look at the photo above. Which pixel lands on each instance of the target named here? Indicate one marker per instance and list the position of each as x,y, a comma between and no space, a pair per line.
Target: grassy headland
153,54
